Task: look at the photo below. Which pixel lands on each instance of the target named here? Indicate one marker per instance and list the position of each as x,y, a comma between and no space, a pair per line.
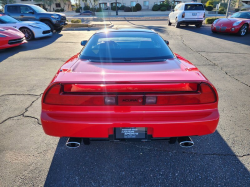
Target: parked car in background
86,12
188,14
31,29
25,12
11,37
238,23
127,84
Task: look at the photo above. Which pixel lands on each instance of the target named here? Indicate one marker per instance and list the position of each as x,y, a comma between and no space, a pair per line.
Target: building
55,5
146,4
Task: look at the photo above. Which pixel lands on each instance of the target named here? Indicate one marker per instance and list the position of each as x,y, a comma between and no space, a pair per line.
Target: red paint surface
11,34
228,22
164,119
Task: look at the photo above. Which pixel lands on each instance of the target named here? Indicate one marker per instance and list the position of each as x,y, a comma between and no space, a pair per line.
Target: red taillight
183,15
204,15
204,95
171,94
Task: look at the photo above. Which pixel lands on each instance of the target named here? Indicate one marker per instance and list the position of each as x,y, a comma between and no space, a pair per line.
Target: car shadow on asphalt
31,45
210,162
206,30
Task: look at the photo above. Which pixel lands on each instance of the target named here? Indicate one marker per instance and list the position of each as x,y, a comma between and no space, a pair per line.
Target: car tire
214,31
52,28
169,23
59,30
177,24
243,30
28,33
198,25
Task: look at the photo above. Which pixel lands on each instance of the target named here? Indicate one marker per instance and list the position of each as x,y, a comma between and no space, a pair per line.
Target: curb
78,26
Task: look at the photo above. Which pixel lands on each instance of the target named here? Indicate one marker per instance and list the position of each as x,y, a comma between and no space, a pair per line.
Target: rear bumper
100,123
191,21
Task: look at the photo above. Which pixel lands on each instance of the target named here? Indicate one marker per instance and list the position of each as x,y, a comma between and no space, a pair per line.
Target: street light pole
116,7
228,6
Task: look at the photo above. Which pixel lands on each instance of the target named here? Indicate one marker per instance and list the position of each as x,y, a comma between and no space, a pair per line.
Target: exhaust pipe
185,141
73,142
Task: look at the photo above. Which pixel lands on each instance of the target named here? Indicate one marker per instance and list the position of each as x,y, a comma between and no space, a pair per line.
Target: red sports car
128,85
238,23
11,37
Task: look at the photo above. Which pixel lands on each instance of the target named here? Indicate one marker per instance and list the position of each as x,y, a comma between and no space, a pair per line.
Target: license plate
194,14
130,133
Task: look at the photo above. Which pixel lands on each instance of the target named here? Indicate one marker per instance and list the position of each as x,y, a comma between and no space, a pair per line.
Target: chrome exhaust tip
185,142
73,142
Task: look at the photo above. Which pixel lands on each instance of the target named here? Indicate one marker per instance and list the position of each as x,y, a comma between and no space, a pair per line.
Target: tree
93,3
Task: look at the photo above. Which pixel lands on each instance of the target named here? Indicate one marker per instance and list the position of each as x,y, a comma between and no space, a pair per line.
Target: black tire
27,32
243,30
169,23
59,30
177,24
198,25
214,31
52,28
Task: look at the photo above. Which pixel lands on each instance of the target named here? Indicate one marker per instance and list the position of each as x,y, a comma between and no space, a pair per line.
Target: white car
31,29
188,14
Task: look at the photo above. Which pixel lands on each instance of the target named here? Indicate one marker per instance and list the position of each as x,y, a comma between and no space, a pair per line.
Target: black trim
16,41
190,21
46,32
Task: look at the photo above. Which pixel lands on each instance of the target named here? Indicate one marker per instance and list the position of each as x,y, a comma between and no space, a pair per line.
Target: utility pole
228,6
116,7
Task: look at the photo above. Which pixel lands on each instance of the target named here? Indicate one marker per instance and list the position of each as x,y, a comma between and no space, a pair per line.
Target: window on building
58,5
132,3
145,3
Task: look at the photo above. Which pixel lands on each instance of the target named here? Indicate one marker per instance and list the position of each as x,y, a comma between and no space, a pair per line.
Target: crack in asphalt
25,110
20,95
182,40
222,52
185,152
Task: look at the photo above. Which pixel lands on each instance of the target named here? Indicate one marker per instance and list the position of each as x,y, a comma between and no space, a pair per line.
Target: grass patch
76,21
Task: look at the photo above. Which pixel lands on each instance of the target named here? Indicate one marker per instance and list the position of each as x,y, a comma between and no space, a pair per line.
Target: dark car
87,12
25,12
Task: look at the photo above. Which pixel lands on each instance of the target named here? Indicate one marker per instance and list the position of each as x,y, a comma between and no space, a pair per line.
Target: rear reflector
110,100
186,94
150,100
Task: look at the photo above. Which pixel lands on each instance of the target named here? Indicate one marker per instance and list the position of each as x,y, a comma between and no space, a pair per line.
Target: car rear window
190,7
126,46
13,9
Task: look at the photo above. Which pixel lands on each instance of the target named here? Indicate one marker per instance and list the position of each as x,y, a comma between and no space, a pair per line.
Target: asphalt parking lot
28,157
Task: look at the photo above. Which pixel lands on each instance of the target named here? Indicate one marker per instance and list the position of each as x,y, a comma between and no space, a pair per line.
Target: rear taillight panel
130,94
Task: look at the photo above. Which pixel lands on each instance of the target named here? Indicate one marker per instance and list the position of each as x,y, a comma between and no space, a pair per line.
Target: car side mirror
83,43
167,42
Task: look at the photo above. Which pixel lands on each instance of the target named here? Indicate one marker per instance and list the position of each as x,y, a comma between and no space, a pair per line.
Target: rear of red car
129,100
